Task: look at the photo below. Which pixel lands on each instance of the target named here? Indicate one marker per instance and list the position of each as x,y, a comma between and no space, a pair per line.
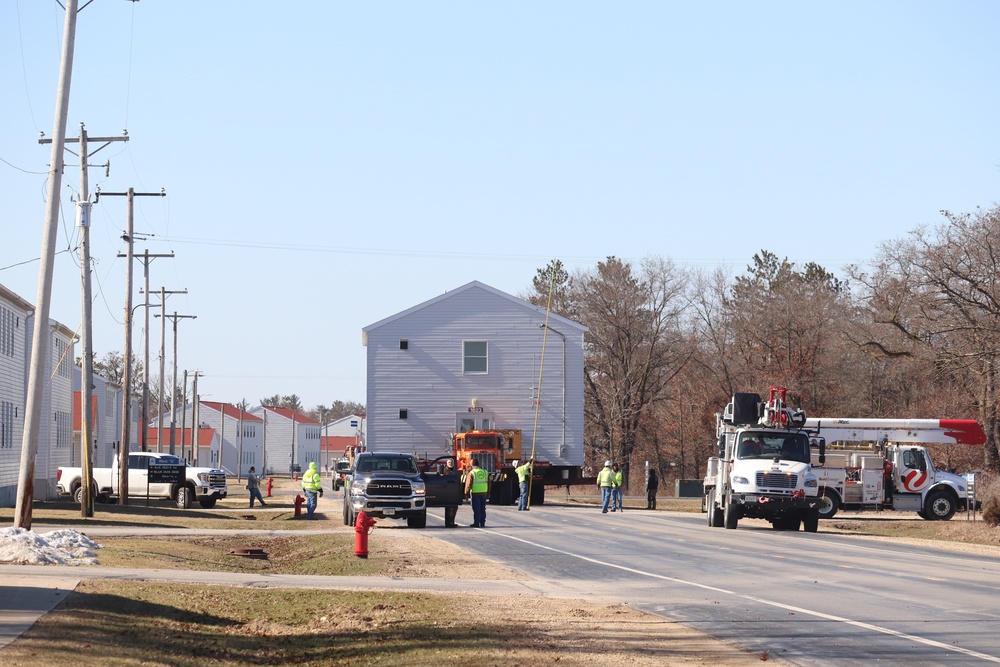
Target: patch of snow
60,547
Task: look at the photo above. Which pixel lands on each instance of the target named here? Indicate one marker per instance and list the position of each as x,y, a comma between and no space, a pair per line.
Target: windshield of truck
480,442
784,446
401,464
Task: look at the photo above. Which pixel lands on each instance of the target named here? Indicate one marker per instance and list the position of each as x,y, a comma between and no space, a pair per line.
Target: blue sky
329,164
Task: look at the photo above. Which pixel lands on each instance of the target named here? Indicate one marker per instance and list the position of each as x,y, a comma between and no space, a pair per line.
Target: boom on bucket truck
764,468
879,464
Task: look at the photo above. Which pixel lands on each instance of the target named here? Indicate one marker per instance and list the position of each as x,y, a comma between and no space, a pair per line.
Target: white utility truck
764,467
879,464
206,485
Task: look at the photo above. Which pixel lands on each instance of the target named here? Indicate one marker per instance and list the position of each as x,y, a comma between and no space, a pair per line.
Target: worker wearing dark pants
652,484
477,487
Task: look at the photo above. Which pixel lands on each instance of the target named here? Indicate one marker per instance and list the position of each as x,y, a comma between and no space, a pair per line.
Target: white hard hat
607,464
515,463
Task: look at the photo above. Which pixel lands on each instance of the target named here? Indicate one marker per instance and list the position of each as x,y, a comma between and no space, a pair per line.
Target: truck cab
396,485
763,469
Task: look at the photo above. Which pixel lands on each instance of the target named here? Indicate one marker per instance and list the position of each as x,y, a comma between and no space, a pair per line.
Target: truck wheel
715,517
418,521
810,522
78,495
449,516
731,514
939,506
829,503
207,503
537,494
183,499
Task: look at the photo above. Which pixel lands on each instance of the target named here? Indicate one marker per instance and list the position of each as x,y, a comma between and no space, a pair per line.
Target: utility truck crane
880,464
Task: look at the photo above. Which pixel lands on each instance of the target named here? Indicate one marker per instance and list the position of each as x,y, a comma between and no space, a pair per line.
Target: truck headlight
419,488
204,477
738,479
359,486
810,483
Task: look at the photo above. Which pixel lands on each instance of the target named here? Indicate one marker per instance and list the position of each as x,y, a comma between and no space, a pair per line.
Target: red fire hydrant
270,485
362,528
299,500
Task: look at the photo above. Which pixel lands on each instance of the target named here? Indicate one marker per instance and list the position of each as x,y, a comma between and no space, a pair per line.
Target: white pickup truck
206,485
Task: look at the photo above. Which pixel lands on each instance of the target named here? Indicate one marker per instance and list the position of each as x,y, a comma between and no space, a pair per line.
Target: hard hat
607,464
515,463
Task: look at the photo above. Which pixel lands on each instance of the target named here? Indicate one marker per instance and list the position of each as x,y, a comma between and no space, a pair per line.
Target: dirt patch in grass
137,623
393,554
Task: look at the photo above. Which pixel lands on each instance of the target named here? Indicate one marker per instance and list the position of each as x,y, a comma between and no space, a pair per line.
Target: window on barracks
474,357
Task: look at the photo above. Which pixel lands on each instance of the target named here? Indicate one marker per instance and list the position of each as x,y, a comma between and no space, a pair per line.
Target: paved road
811,599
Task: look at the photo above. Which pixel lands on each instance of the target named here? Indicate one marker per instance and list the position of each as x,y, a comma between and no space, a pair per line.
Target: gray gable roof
475,284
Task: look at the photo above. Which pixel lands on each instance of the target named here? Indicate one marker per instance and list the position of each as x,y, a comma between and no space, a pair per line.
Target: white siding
238,443
13,325
427,379
107,397
287,447
55,426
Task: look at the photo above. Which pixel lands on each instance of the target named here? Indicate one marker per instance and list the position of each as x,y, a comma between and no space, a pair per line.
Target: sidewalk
27,600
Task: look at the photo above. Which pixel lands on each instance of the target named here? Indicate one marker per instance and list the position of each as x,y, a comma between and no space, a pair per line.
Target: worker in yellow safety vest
523,480
617,497
312,486
606,483
477,488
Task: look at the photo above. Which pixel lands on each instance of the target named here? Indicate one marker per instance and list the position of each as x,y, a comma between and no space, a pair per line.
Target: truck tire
939,506
829,503
537,494
449,516
78,492
417,521
183,498
715,516
810,522
731,515
207,503
349,517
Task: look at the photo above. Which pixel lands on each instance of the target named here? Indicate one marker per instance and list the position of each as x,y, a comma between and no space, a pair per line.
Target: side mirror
722,446
822,451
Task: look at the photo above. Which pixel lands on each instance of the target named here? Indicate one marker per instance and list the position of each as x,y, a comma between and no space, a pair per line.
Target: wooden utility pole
123,447
144,408
195,419
86,336
184,394
173,395
40,334
163,337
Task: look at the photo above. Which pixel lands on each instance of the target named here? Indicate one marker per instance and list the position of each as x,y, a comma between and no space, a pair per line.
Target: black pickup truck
396,486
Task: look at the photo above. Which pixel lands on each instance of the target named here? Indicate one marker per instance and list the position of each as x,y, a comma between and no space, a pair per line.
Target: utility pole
39,348
184,413
83,207
123,449
195,419
163,337
173,395
144,408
